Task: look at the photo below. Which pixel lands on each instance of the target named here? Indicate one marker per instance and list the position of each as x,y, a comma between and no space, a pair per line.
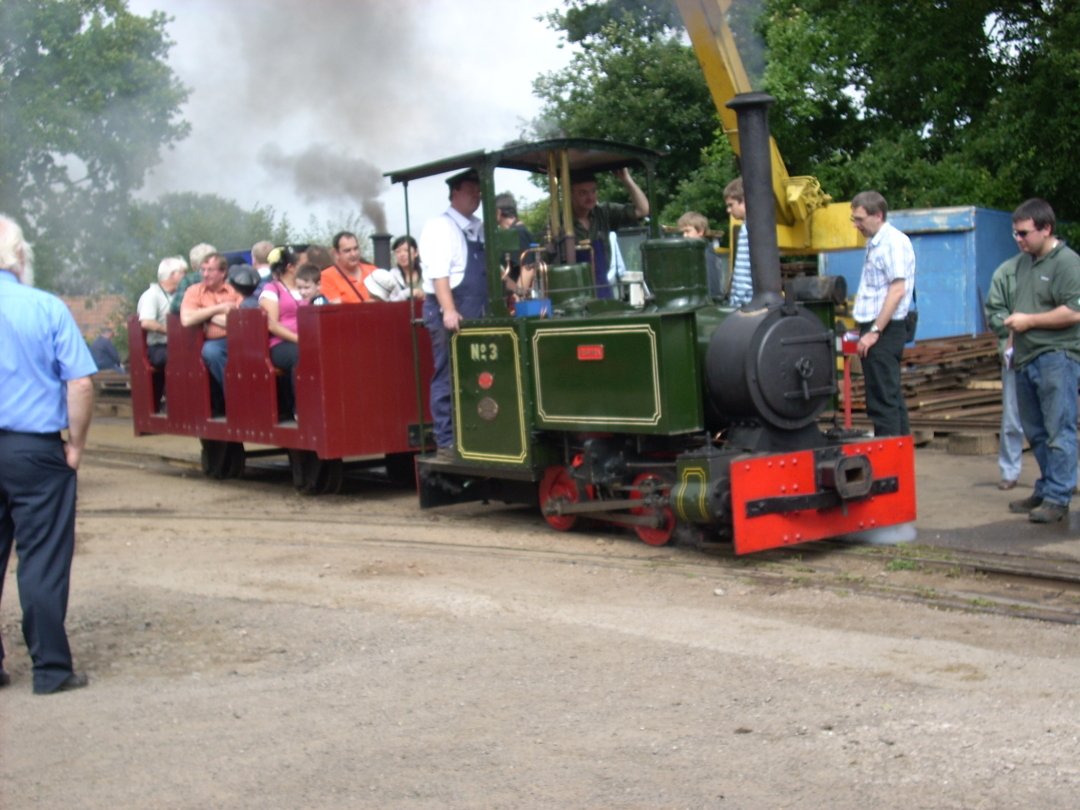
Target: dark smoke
306,87
321,172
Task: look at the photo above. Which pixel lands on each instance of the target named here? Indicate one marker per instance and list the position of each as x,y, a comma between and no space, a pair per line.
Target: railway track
1016,584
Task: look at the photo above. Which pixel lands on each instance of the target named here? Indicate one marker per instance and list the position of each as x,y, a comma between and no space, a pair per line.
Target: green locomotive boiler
657,409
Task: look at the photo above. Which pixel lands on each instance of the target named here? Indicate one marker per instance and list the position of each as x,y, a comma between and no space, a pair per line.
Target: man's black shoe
1048,513
76,680
1026,505
5,679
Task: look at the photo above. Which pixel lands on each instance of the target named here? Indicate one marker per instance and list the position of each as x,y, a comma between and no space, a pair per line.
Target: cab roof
583,153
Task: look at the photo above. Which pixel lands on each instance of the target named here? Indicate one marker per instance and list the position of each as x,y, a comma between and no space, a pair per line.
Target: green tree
88,104
931,103
635,84
174,223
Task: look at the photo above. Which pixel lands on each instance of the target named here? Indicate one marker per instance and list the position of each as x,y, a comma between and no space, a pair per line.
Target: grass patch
902,564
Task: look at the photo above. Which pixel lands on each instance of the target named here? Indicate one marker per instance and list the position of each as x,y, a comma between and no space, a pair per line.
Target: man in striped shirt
742,286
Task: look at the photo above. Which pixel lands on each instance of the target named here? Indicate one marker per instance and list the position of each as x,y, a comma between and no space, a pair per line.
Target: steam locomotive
676,417
656,409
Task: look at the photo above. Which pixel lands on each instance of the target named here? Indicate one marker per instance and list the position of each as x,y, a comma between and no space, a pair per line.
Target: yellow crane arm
806,218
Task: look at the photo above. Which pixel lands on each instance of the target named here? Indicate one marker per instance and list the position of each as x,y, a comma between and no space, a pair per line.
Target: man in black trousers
45,387
882,304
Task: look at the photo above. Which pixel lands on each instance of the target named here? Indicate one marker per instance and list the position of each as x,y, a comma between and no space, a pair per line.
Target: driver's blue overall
470,298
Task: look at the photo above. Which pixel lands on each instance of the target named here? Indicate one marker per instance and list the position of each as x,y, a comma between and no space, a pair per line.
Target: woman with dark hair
280,300
407,263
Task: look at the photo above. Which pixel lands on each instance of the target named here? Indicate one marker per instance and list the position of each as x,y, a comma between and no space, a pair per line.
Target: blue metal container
956,253
533,308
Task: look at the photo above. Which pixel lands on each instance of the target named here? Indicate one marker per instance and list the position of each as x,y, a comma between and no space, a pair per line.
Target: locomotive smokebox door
776,364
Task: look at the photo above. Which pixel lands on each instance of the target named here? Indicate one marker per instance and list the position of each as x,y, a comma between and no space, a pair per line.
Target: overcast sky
301,105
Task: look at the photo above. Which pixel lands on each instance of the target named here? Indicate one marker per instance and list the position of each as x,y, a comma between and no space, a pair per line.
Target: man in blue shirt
45,387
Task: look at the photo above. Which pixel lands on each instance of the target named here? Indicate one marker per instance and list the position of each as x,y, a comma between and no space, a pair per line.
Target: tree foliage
88,104
174,223
632,83
931,103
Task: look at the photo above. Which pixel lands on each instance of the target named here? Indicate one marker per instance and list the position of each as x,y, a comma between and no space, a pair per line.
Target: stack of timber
950,385
112,394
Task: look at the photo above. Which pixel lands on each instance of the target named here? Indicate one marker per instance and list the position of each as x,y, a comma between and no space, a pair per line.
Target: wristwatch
874,329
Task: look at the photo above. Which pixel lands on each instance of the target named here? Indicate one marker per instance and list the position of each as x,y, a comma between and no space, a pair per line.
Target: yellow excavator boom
807,220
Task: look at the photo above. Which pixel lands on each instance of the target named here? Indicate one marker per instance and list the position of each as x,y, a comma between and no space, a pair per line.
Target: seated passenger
153,311
386,285
280,299
343,281
245,280
320,256
207,304
696,226
407,264
197,257
308,285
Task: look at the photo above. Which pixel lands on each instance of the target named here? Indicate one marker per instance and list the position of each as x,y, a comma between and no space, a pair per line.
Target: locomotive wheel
558,485
315,476
661,535
221,460
401,469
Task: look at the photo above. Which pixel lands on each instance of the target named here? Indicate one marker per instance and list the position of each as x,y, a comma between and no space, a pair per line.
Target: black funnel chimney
752,111
380,243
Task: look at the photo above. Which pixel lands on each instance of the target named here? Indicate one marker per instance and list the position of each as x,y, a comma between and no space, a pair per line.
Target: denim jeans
1046,392
1011,447
441,394
214,354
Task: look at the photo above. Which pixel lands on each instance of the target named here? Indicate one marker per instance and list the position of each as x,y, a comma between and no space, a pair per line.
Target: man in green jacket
1045,324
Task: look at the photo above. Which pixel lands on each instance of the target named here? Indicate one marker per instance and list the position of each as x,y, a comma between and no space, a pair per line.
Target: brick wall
94,312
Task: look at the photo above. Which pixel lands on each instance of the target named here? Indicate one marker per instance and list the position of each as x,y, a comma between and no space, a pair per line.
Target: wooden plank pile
950,385
112,394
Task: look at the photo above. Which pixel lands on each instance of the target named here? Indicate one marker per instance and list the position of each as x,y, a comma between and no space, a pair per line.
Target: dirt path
248,647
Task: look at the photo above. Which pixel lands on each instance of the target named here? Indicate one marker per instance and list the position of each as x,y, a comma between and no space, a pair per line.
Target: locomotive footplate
787,498
446,482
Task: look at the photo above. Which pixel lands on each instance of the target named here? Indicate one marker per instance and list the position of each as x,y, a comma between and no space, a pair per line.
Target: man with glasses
207,305
1045,326
881,306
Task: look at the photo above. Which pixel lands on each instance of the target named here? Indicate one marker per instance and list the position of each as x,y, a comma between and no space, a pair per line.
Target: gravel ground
248,647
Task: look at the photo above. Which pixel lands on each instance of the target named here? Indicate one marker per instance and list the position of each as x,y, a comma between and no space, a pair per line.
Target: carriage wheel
559,486
315,476
235,460
645,484
401,469
221,460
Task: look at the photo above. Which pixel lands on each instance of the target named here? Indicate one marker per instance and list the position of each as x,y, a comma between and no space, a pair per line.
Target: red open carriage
357,395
